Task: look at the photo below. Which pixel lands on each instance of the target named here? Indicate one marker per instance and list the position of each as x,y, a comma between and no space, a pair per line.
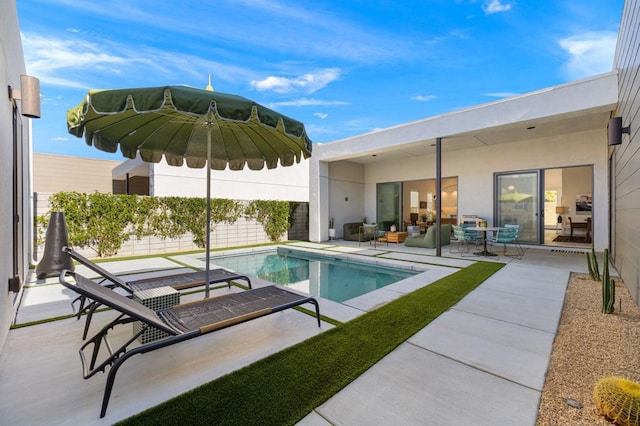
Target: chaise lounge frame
181,322
177,281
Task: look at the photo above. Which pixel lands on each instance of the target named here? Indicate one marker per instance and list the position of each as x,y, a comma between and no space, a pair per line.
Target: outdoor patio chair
180,323
368,232
380,233
508,234
459,245
465,239
177,281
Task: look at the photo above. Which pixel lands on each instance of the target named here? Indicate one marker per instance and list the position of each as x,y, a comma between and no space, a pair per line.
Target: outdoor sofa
351,232
428,240
180,322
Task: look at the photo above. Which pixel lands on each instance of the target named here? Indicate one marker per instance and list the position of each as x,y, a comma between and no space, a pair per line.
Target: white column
318,200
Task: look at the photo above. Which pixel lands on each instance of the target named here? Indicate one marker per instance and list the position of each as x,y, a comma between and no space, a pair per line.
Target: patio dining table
483,230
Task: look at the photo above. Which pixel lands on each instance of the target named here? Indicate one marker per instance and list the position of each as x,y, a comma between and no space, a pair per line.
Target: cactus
618,399
608,286
592,264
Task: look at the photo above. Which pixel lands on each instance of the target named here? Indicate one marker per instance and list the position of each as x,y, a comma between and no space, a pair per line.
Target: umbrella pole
208,225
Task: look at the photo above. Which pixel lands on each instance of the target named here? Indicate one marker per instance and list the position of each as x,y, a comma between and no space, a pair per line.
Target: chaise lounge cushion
428,240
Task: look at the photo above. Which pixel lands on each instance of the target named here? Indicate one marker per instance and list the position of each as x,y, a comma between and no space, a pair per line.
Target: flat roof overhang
131,168
574,107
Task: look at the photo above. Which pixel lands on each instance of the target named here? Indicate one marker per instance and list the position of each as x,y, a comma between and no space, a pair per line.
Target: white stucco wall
318,200
346,194
282,183
11,67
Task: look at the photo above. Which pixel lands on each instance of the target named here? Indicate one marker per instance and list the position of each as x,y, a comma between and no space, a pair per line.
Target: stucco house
281,183
547,149
551,145
15,170
552,140
137,177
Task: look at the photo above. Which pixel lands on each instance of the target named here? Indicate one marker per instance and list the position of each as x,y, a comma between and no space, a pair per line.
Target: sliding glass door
389,201
518,202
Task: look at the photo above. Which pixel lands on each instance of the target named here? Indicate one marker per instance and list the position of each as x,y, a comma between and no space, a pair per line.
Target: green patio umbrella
186,124
514,197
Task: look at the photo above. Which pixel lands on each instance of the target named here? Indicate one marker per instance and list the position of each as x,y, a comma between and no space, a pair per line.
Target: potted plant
424,217
332,230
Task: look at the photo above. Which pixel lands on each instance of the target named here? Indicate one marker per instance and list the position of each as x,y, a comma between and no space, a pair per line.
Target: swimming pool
330,278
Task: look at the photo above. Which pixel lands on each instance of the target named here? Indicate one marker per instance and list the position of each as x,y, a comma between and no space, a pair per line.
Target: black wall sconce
28,95
615,130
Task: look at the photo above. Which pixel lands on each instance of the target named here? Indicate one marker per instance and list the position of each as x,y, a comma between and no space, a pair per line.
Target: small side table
156,299
396,237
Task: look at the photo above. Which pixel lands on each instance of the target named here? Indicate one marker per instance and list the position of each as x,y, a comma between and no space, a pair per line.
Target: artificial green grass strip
42,321
284,387
58,318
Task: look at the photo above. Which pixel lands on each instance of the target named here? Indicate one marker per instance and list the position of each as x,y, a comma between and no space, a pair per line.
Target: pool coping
430,269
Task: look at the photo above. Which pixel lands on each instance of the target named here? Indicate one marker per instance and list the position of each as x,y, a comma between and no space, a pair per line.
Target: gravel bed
588,346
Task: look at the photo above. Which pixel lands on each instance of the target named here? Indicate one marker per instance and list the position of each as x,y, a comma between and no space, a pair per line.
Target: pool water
330,278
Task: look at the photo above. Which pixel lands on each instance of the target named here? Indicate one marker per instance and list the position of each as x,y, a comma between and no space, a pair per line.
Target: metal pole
438,196
208,225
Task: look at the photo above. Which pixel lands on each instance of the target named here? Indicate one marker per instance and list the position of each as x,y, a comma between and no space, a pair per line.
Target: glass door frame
525,202
17,278
389,213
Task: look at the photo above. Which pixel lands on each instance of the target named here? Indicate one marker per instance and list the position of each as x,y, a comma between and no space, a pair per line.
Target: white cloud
48,57
589,54
496,6
423,98
321,115
307,83
76,63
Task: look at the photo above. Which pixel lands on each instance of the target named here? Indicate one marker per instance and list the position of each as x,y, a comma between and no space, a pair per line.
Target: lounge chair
177,281
181,322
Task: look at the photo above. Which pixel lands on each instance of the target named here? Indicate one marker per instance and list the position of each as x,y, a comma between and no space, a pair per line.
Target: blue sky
343,68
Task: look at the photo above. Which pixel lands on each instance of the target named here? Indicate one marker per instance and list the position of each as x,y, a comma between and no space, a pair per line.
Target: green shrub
104,222
181,215
272,214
